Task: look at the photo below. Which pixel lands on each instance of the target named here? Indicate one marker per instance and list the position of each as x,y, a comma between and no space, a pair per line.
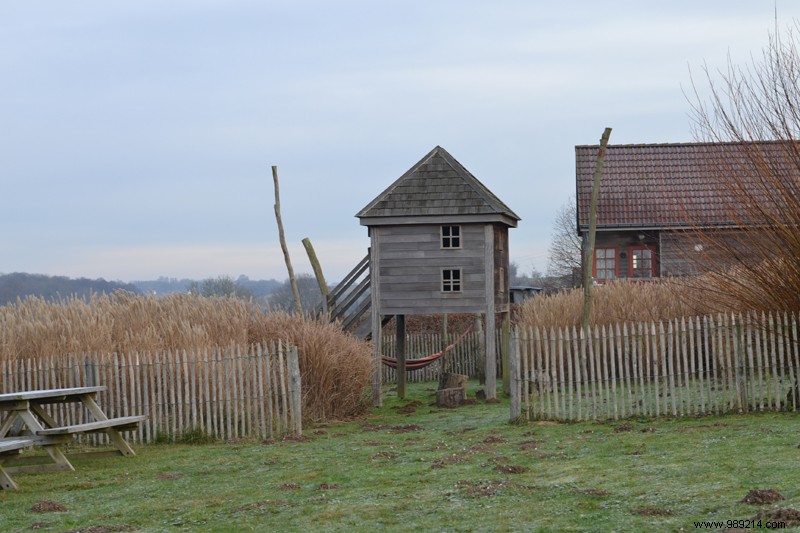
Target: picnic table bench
25,410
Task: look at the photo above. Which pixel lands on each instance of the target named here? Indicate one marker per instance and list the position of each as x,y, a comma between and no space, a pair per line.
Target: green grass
464,469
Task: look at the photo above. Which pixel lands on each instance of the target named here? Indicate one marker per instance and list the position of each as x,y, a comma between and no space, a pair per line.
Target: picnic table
26,423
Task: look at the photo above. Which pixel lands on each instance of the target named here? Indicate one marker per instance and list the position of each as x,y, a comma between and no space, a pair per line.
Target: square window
451,236
642,262
451,280
605,263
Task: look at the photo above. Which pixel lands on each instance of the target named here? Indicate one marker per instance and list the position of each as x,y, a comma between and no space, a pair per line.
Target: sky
137,137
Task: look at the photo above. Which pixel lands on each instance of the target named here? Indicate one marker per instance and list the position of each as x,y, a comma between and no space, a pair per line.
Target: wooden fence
467,357
226,393
696,366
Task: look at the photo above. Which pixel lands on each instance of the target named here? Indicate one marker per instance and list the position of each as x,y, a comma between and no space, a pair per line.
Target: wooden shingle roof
662,186
437,186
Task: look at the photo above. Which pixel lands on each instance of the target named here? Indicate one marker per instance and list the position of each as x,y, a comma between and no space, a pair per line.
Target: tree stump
456,381
452,390
450,397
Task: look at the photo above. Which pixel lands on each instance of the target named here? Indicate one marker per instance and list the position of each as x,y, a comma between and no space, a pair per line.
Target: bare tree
565,245
757,266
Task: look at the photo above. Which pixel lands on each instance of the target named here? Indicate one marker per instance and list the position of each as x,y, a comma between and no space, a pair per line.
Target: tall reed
335,366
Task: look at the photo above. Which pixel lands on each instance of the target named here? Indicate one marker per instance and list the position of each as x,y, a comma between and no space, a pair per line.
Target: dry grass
336,367
615,303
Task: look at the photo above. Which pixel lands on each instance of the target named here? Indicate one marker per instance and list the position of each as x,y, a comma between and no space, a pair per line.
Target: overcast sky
136,137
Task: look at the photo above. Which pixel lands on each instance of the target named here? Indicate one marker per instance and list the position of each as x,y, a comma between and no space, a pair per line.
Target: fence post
513,370
740,367
295,391
92,372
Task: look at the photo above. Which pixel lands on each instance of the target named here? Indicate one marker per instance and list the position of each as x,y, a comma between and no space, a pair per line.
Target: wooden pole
506,352
446,363
400,353
297,305
323,286
589,251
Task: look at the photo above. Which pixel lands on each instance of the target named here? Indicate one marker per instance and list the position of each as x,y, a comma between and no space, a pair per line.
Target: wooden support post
506,338
400,352
323,286
445,365
375,317
491,351
297,305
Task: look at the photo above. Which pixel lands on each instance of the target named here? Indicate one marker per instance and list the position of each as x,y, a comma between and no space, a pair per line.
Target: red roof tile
670,185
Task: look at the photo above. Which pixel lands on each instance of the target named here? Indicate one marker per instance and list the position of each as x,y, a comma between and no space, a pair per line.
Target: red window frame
605,269
634,258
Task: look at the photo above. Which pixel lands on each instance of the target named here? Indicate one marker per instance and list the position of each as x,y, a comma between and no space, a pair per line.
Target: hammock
422,362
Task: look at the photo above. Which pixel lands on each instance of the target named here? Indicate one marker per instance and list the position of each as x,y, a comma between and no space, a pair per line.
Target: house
439,244
654,198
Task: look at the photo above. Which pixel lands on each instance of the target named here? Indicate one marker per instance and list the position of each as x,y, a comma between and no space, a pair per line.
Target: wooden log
450,397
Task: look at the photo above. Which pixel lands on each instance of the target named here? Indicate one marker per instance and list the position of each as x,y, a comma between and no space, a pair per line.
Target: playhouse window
642,262
451,236
605,264
451,280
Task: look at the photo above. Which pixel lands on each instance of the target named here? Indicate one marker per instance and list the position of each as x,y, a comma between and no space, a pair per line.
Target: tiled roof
439,186
669,185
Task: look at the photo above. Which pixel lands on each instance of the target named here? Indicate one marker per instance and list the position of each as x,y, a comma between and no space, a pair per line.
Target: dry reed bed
336,367
620,302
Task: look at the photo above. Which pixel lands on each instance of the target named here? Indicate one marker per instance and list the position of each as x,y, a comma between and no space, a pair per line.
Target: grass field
412,467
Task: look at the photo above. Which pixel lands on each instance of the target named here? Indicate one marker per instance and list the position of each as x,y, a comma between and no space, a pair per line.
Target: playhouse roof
437,186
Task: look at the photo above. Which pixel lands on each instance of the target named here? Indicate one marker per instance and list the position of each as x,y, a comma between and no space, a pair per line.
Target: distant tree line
20,285
274,294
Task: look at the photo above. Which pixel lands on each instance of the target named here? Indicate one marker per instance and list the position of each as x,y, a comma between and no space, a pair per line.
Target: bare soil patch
791,517
48,506
530,444
622,428
494,440
329,486
762,497
450,460
290,486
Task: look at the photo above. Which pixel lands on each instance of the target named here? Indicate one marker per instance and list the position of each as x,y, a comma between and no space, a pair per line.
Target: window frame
653,261
455,284
446,241
616,263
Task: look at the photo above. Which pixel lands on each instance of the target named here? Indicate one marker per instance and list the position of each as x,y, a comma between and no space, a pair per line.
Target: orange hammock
422,362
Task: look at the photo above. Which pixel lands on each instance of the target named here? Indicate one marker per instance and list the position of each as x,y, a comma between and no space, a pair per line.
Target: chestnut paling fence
231,392
694,366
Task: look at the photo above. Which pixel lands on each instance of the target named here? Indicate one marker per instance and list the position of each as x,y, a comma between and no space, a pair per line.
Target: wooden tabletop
49,394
